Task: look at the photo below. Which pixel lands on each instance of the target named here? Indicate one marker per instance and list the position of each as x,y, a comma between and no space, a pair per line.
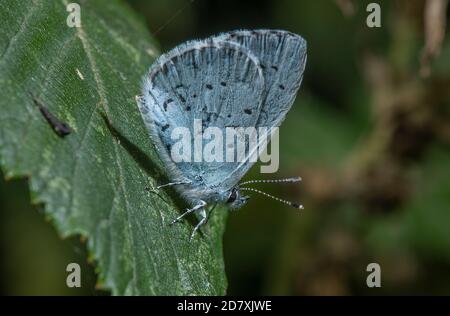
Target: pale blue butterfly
240,78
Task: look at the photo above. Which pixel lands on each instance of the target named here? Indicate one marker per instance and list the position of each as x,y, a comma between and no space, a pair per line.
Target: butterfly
241,78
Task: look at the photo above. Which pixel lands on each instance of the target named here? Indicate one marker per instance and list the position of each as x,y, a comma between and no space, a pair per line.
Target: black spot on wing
166,103
165,69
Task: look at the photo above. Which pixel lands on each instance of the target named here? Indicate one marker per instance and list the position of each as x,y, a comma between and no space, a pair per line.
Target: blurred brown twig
435,21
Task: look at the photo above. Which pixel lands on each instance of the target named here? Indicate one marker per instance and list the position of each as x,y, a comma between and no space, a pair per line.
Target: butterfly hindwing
215,81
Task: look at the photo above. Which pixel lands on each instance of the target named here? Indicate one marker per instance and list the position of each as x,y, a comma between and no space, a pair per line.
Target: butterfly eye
232,197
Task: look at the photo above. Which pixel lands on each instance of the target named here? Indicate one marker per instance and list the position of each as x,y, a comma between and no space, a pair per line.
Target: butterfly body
240,78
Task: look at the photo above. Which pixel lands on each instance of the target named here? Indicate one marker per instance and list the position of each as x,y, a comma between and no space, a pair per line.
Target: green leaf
92,182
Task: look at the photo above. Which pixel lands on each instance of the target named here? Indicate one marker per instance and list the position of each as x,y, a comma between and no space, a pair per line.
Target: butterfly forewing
282,57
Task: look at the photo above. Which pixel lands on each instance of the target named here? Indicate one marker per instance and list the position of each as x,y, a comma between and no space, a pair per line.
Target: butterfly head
235,199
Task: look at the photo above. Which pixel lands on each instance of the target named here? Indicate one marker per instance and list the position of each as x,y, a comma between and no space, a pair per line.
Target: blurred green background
369,134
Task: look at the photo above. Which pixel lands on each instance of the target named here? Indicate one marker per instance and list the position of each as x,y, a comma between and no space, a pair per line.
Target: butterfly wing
215,81
282,57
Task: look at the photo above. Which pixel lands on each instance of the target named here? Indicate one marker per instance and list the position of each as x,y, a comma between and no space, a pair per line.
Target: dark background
369,134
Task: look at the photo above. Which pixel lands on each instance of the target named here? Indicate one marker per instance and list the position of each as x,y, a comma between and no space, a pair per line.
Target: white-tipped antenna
287,180
298,206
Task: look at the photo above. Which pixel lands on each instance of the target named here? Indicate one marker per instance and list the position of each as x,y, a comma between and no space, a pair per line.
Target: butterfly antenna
298,206
287,180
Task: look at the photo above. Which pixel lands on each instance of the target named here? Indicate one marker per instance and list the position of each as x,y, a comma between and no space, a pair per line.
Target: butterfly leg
199,206
202,221
172,183
139,99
